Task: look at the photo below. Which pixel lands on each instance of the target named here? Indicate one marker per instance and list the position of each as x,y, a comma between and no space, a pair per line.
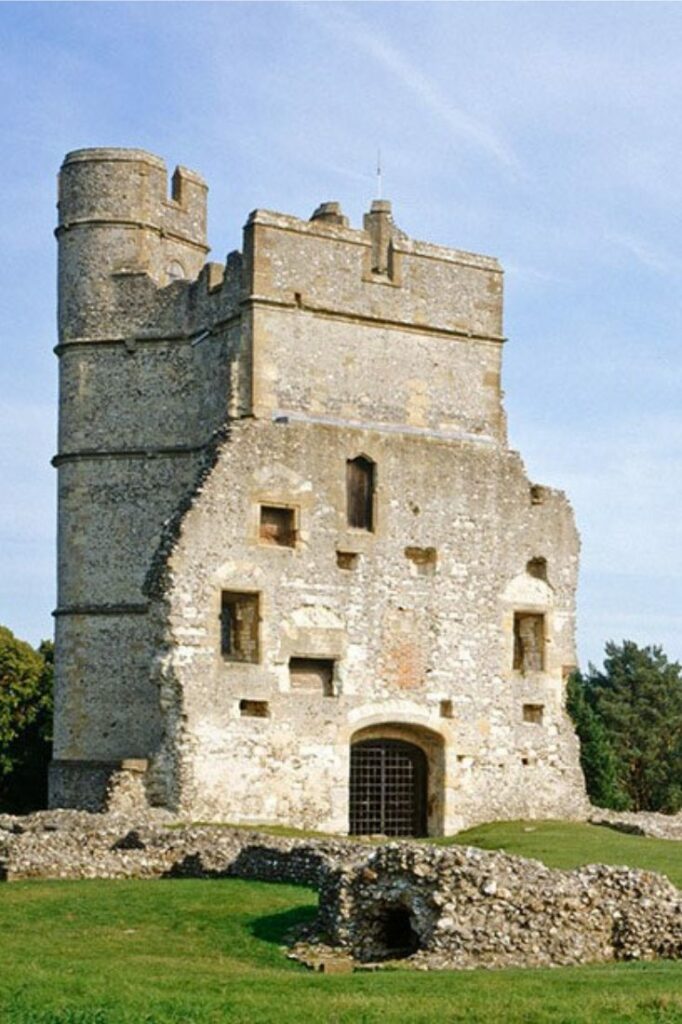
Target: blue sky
548,135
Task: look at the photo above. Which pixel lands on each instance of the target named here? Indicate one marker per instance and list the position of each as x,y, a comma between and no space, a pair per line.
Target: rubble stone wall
461,908
431,907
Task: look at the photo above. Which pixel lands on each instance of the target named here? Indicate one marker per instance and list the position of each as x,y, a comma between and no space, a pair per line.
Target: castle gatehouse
302,577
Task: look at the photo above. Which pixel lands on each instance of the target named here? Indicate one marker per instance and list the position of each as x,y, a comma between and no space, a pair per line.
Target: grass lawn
208,952
562,844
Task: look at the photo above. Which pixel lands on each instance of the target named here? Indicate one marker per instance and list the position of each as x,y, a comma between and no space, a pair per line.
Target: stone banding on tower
302,577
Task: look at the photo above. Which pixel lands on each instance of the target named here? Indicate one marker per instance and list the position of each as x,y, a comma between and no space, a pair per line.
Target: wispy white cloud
653,257
474,132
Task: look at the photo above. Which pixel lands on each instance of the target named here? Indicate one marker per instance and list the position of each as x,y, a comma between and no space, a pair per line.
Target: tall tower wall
417,344
134,421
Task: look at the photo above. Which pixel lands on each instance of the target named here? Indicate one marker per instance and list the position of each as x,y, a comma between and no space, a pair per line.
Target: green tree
629,720
25,722
597,759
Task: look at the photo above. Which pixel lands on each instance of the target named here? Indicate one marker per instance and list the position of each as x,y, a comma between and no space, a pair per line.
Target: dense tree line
25,722
628,717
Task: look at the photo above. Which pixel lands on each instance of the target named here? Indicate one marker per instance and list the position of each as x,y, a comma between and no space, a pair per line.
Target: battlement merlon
370,328
376,273
130,187
118,217
117,220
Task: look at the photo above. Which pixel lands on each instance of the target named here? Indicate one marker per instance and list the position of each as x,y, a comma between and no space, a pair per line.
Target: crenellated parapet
118,218
289,521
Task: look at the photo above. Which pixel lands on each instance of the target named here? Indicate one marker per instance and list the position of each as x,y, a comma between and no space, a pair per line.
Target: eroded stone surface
460,907
66,844
192,396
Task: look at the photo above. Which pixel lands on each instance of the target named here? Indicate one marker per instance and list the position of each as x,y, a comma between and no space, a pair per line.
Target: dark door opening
388,788
396,937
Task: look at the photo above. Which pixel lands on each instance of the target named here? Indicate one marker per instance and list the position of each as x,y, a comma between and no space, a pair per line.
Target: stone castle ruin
302,577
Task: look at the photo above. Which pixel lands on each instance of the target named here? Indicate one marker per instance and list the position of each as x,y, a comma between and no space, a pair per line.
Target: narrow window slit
446,710
360,493
239,616
529,642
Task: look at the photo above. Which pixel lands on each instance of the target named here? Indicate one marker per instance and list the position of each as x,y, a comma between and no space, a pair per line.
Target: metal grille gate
387,788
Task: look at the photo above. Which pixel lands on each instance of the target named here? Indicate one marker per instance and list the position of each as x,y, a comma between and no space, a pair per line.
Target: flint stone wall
461,908
453,907
192,396
80,845
639,823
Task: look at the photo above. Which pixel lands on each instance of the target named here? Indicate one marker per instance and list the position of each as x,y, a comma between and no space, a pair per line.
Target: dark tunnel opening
395,934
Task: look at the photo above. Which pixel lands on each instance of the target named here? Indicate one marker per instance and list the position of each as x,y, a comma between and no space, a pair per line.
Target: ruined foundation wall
430,908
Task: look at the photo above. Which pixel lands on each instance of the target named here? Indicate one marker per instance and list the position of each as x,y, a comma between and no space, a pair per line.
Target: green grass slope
562,844
209,952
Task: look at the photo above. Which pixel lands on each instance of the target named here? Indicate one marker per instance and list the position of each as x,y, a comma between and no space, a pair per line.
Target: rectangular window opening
312,675
529,642
533,713
347,560
446,710
277,526
239,618
360,493
254,708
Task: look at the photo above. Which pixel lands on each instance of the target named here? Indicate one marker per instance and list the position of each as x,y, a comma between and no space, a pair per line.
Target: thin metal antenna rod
380,180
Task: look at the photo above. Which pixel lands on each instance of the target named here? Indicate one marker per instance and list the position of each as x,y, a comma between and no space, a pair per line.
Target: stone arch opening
394,937
396,781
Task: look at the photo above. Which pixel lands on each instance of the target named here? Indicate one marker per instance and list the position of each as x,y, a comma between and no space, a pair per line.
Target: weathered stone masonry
302,578
448,907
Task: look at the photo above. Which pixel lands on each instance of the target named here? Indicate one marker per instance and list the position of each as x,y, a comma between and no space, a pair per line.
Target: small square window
424,559
312,675
254,708
239,619
277,526
533,713
347,560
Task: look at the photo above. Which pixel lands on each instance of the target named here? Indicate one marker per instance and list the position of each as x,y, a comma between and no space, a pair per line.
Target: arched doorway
388,788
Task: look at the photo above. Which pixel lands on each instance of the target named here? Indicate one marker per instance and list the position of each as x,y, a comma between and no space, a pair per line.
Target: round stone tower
125,456
117,218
